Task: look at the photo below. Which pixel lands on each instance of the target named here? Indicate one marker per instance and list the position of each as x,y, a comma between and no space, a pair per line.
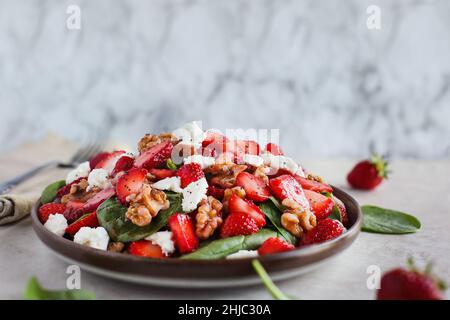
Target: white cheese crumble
243,254
171,184
253,160
193,194
98,178
56,223
282,162
92,237
81,171
190,134
164,240
204,162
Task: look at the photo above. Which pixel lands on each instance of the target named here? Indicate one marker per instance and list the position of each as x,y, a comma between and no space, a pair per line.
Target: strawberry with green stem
368,174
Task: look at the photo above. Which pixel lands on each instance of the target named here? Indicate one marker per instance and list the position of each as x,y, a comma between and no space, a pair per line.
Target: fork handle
8,185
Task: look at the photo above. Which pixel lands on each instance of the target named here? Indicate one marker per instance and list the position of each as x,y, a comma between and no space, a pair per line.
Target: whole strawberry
368,174
403,284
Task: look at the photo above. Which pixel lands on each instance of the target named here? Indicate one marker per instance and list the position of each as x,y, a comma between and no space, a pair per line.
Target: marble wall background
310,68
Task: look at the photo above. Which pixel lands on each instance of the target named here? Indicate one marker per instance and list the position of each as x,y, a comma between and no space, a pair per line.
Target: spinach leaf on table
381,220
35,291
273,213
219,249
111,216
50,191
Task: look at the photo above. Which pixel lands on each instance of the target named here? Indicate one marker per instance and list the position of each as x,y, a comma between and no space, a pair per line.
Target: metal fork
82,154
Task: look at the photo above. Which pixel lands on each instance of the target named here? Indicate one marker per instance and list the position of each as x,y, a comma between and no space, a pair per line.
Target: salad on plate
193,194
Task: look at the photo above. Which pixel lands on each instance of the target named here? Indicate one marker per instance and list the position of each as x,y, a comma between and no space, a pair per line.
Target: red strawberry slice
216,192
320,205
313,185
189,173
130,182
274,149
255,188
342,210
93,203
238,223
183,232
162,173
97,158
285,186
50,208
66,189
237,204
155,157
109,162
274,245
88,220
213,137
74,210
145,248
326,229
123,164
248,146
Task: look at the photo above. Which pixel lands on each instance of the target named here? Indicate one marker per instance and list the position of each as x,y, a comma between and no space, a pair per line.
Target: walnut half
296,219
146,205
208,217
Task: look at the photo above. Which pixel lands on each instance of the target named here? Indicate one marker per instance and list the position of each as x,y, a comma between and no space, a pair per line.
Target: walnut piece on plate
297,220
208,217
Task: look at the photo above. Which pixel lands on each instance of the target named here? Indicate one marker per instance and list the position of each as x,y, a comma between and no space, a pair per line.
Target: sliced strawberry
109,162
320,205
342,210
183,232
274,245
74,210
216,192
123,164
145,248
213,137
130,182
88,220
326,229
162,173
238,223
313,185
285,186
97,158
274,149
155,157
248,146
237,204
66,189
255,188
50,208
189,173
93,203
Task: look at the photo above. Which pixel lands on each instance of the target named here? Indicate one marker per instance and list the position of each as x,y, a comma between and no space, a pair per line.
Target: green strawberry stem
381,165
276,293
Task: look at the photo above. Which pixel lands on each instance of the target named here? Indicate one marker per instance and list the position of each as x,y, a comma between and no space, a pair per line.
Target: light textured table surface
421,188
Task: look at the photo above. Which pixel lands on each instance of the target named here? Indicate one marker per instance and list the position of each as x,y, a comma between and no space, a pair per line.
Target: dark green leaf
35,291
273,213
49,193
381,220
219,249
335,214
111,216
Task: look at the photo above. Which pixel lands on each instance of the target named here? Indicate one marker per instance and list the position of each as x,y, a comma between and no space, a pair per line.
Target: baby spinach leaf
50,191
276,293
111,216
171,165
270,209
381,220
219,249
335,214
35,291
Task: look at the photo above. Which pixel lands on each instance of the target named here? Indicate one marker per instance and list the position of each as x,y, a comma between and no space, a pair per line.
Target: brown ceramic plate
200,273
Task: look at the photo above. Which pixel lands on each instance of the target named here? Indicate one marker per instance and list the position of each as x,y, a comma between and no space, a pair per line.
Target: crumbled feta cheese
92,237
243,254
253,160
164,240
204,162
193,194
98,178
280,162
171,184
82,170
190,134
56,223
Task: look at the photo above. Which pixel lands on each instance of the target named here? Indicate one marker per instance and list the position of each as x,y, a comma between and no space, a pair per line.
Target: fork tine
86,151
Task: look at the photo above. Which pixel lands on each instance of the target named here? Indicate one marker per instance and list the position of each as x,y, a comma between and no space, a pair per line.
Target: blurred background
310,68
